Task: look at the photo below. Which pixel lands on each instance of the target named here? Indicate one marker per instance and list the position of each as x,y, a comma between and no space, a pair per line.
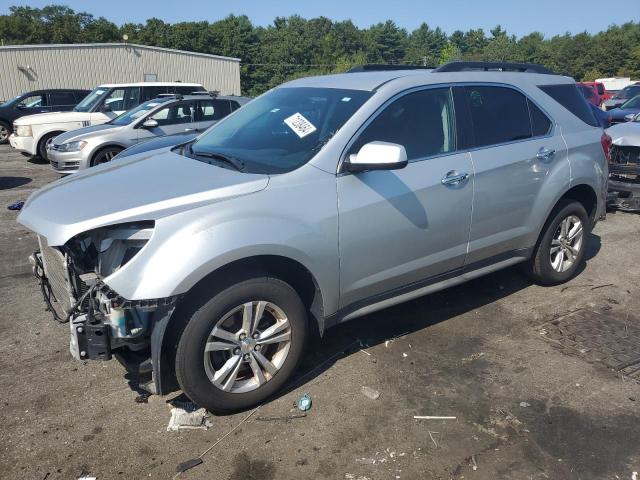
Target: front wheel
561,248
105,155
5,131
241,345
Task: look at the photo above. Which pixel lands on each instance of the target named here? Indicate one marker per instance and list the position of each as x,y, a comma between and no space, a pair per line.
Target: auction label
300,125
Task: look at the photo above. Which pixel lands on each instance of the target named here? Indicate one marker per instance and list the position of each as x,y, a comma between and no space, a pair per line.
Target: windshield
587,92
634,103
628,92
12,100
90,100
135,113
282,130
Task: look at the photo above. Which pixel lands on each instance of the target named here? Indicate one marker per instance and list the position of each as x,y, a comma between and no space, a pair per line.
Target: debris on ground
286,418
184,466
16,206
304,402
525,404
85,477
473,460
142,398
185,419
432,439
370,393
432,417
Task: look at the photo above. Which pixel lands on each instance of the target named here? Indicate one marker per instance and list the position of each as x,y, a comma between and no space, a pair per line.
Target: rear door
400,228
515,149
212,110
62,101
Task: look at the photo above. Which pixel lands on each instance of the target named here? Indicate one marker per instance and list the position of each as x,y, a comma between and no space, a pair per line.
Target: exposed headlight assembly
71,146
24,131
105,250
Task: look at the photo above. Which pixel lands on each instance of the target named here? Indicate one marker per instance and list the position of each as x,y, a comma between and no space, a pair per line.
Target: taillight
606,142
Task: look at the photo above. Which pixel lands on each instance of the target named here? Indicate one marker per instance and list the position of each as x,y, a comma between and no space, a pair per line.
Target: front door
174,119
399,228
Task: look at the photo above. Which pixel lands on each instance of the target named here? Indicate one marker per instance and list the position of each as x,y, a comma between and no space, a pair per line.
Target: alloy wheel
566,243
247,347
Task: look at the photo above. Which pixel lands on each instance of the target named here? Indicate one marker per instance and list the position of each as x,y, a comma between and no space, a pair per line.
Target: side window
131,98
175,114
569,97
422,122
234,105
214,109
540,123
34,101
187,90
149,93
62,99
498,115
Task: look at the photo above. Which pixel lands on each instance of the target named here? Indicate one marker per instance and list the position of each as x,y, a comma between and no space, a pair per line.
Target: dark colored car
37,101
590,94
626,111
603,117
627,93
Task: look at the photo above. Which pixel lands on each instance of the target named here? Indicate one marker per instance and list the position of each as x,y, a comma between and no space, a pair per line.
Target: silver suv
208,264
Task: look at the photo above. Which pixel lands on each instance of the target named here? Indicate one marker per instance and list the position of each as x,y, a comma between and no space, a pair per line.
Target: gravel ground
525,408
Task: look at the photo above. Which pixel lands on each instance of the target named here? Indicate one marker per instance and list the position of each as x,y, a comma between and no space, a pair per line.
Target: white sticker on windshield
346,99
99,92
300,125
153,104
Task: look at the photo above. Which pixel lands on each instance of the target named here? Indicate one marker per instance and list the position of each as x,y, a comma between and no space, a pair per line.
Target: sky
518,17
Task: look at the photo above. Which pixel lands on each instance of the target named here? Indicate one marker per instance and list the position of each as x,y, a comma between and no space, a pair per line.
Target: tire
552,268
196,369
105,155
44,141
5,131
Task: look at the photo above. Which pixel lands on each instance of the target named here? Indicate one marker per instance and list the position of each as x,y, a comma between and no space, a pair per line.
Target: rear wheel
5,131
561,248
105,155
241,345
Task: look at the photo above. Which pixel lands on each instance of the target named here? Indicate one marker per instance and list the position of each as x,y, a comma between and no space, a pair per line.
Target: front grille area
64,165
55,268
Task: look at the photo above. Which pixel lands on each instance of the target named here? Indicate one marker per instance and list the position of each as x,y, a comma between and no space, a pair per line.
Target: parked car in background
168,115
323,200
626,111
627,93
601,116
590,94
37,101
624,179
600,89
32,134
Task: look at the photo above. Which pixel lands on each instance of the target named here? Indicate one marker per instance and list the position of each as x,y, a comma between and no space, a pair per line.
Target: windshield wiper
233,161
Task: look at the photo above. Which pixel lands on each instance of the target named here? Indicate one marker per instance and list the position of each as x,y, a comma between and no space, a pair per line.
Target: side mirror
150,123
629,117
377,156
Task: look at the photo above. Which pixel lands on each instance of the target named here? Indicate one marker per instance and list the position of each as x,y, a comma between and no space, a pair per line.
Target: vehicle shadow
37,160
12,182
412,316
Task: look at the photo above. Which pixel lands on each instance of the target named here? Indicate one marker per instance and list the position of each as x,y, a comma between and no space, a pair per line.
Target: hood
141,187
53,117
622,112
80,133
625,134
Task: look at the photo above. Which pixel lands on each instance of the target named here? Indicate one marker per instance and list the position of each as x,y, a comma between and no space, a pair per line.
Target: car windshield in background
90,100
135,113
281,130
633,103
11,100
628,92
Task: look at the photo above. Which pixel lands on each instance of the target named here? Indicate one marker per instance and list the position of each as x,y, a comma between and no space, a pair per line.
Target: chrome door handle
454,178
545,153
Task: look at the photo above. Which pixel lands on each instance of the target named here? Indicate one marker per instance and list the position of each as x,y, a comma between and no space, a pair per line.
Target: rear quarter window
570,98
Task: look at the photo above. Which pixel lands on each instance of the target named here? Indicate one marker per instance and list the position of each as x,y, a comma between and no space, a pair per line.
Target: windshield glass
634,103
12,100
135,113
628,92
90,100
282,130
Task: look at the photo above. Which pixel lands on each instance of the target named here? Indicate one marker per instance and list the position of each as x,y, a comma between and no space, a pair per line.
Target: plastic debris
184,466
525,404
431,417
304,402
370,393
185,419
286,418
85,477
16,206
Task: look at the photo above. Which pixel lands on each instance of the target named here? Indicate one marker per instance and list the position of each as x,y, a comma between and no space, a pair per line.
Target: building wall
24,68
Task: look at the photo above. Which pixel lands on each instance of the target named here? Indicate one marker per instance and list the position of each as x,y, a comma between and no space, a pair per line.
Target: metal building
30,67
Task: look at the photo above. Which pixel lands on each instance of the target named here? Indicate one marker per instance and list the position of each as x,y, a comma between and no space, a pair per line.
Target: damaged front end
624,178
103,323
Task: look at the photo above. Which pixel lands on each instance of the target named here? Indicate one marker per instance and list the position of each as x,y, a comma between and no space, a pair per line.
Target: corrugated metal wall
86,66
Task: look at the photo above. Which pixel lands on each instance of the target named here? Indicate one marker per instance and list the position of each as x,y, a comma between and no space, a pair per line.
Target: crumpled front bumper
624,187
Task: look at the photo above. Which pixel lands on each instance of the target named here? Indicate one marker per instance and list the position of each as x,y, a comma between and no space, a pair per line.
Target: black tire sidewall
42,145
190,370
9,131
96,158
543,272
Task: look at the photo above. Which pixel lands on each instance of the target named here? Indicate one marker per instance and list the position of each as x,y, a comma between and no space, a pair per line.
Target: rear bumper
22,144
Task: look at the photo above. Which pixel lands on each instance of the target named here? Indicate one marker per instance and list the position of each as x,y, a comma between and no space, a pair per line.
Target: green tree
425,45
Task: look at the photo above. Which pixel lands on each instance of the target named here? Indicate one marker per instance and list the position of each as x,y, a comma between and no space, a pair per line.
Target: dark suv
38,101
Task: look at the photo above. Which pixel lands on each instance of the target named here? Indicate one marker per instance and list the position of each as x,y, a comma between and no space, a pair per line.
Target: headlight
71,146
24,131
105,250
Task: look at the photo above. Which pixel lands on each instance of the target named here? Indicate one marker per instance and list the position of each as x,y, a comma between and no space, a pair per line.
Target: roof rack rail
169,95
493,66
372,67
210,93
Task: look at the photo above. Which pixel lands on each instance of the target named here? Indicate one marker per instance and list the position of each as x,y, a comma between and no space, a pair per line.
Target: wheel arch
584,194
97,150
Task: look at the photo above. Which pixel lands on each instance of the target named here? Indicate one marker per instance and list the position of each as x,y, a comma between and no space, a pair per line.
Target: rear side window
186,90
214,109
570,98
600,88
540,123
152,92
498,115
422,122
62,99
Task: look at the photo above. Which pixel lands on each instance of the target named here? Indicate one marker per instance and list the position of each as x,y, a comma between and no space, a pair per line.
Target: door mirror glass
150,123
378,156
